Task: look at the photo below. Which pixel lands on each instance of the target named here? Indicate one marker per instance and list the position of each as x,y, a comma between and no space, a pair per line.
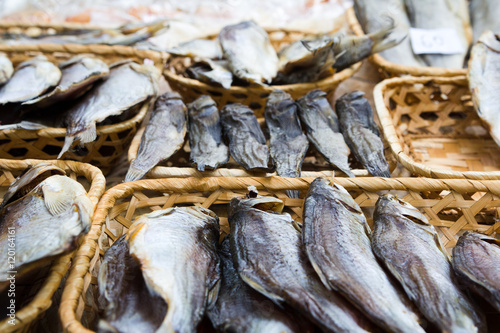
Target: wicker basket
94,182
433,129
112,140
451,205
179,165
254,97
389,69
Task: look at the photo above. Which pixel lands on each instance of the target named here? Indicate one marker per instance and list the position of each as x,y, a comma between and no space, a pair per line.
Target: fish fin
55,200
135,228
88,135
134,173
380,38
273,297
213,294
293,194
68,141
316,267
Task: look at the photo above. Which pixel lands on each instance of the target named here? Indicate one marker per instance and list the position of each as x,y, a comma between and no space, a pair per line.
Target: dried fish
162,137
31,79
127,85
322,128
249,51
205,134
271,259
476,260
198,48
212,72
6,68
176,249
288,145
247,143
336,238
410,248
361,132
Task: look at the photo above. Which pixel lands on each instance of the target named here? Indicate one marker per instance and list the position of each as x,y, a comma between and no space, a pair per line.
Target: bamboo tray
389,69
433,129
179,164
254,97
112,140
94,182
451,205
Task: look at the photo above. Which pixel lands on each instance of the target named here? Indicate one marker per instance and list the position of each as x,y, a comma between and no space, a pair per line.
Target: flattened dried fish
373,16
6,68
78,75
239,308
163,135
127,85
128,305
361,132
57,203
476,261
31,79
437,14
205,134
176,249
247,143
484,81
336,238
271,259
250,54
198,48
410,248
484,16
288,145
212,72
322,128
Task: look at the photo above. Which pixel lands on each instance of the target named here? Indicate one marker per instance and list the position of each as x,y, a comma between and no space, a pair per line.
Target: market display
409,247
167,124
49,213
287,144
361,132
337,240
475,262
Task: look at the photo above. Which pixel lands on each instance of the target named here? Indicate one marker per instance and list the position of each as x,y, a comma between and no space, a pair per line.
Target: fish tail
68,141
134,173
88,135
381,38
293,194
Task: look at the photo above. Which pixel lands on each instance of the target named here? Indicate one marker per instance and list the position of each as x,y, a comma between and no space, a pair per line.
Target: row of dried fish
271,274
243,52
93,91
42,215
354,130
428,14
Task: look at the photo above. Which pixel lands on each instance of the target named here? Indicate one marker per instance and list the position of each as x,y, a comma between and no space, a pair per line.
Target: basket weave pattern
433,129
451,205
254,97
112,140
95,183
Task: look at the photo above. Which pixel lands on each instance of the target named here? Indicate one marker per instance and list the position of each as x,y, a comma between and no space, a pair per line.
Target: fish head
200,105
260,203
391,205
29,179
470,236
327,190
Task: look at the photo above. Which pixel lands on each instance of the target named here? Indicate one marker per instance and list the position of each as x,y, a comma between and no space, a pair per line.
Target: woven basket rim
392,137
397,69
43,298
75,282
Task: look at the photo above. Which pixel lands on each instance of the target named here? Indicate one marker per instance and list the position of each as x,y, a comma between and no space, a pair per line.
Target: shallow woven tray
390,69
451,205
254,97
112,140
433,129
179,164
94,182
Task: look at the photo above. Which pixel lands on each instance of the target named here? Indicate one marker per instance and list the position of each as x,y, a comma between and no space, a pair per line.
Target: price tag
442,41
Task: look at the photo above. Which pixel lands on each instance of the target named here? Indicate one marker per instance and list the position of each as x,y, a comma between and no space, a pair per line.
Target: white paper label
442,41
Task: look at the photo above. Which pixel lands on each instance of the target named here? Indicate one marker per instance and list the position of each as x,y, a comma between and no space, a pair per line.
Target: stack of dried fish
245,139
272,275
79,93
43,215
428,14
242,54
